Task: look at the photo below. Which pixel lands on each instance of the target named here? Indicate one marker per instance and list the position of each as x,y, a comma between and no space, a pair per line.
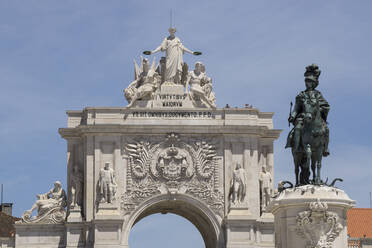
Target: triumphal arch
170,150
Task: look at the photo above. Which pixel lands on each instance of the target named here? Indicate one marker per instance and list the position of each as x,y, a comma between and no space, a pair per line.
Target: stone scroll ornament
172,165
318,226
50,207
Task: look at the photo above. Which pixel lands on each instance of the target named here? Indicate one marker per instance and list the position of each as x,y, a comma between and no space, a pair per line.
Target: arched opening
166,231
203,218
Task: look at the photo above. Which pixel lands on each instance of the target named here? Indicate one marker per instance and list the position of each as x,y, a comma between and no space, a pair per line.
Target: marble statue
77,187
200,86
238,185
146,81
266,187
309,137
174,49
107,184
50,207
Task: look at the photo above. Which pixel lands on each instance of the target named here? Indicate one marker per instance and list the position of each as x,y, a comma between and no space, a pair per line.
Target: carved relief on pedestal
319,226
171,165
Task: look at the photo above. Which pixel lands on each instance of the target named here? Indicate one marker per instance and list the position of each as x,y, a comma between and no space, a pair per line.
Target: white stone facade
174,160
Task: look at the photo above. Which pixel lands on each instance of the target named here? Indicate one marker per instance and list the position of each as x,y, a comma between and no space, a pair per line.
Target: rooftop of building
6,225
359,222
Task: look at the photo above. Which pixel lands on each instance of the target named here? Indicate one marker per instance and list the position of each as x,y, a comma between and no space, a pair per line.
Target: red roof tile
359,222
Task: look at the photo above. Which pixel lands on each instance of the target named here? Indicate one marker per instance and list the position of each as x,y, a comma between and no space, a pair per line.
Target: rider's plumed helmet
312,73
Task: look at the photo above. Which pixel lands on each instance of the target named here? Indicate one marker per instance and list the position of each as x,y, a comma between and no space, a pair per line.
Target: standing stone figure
200,86
309,137
266,189
106,183
77,186
174,49
238,185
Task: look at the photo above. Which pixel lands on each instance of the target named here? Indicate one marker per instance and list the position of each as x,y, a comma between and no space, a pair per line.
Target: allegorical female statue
174,50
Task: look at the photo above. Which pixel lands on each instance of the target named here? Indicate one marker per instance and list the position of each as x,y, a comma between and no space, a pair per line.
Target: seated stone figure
147,80
201,86
50,206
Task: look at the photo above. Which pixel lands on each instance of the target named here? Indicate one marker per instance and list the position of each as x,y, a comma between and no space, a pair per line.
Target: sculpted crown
318,206
172,151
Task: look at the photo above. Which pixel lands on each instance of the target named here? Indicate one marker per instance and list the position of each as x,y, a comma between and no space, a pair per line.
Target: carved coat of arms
172,165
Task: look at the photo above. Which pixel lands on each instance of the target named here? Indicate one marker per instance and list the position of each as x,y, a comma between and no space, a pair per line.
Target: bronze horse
312,145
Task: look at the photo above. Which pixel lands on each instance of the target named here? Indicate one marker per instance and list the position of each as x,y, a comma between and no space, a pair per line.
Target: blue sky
63,55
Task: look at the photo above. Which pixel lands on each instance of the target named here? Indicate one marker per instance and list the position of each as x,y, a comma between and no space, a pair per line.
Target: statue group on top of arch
171,71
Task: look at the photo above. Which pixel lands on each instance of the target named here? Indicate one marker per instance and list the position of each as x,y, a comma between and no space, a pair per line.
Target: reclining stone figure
50,207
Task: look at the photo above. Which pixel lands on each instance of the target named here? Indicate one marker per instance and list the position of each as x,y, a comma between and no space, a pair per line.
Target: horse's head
311,111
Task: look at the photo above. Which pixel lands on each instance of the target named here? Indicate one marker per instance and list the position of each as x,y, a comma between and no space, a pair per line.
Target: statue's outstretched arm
185,49
158,49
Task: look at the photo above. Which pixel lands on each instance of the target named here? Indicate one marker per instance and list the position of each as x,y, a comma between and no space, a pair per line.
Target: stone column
311,216
89,187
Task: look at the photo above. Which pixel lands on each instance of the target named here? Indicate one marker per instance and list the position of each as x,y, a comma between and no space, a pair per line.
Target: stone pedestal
311,217
74,215
40,235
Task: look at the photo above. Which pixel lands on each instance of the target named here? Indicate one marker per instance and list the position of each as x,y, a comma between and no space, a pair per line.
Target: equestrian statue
309,137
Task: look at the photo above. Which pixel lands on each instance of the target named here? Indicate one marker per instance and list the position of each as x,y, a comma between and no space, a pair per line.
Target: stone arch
199,214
